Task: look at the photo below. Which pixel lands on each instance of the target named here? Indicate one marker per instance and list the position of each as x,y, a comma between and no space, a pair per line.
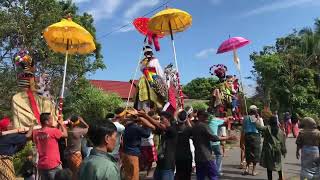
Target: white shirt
147,141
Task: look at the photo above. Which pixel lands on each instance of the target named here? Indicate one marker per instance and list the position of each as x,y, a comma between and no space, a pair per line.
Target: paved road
231,163
232,172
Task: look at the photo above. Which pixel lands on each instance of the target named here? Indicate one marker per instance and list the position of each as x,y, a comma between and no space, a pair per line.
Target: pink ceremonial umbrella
232,44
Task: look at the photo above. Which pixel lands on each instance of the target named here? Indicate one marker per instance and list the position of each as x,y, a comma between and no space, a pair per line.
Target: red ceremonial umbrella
232,44
141,24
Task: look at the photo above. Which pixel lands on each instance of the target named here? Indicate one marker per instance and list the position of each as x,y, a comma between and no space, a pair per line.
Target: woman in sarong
308,141
273,148
78,128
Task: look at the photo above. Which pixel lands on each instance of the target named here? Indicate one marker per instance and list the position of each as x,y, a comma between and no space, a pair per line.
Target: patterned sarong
130,167
6,168
308,169
74,161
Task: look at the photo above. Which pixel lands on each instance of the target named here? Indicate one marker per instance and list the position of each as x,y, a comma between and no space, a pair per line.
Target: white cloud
103,9
138,8
277,5
80,1
205,53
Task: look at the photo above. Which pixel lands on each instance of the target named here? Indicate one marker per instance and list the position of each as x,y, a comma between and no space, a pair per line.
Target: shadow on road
240,178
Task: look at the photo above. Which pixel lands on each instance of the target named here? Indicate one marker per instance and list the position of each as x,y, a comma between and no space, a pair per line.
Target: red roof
118,87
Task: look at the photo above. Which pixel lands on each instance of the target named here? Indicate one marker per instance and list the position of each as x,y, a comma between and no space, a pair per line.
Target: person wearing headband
78,128
10,144
183,150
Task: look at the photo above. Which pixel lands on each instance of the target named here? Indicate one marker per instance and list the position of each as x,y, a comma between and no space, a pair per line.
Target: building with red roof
120,88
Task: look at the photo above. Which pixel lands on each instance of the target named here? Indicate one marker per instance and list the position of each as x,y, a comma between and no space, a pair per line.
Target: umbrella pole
63,83
244,96
240,74
134,76
176,62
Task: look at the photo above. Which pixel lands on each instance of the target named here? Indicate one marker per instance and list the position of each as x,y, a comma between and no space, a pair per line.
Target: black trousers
183,169
270,175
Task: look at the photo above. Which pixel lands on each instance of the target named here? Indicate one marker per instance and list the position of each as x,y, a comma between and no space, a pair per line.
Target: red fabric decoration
141,24
34,106
4,123
172,97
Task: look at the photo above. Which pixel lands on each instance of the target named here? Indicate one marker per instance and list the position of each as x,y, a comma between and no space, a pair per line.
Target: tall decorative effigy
152,89
225,96
27,104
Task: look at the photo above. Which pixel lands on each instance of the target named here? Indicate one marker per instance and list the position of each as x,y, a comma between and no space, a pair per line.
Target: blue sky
260,21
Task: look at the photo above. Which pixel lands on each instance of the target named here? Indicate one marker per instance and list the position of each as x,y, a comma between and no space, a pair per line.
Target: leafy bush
20,158
198,105
91,103
200,88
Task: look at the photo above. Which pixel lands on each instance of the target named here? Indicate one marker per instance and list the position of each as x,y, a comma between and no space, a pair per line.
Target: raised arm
215,138
83,122
157,124
29,133
146,123
63,129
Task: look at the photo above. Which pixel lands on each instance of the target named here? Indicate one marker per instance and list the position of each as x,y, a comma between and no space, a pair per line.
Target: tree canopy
200,88
22,23
89,102
287,73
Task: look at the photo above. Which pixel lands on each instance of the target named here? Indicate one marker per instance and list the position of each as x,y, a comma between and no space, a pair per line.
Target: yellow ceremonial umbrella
167,22
68,37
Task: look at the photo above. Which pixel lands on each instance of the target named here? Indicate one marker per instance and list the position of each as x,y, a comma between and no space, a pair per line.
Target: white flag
236,59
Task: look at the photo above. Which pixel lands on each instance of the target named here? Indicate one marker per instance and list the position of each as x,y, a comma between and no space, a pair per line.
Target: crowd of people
274,150
128,141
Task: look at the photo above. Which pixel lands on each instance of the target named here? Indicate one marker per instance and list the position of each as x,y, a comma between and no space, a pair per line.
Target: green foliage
90,103
287,73
198,105
200,88
22,23
20,158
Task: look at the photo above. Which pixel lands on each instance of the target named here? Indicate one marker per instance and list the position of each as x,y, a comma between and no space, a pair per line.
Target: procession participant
63,174
192,116
46,140
9,145
131,145
73,150
214,124
120,130
205,164
167,148
295,124
148,151
252,139
100,165
274,146
29,167
287,123
183,150
308,141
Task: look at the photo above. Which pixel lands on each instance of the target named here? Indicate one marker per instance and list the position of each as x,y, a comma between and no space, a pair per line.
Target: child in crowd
65,174
148,151
28,168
